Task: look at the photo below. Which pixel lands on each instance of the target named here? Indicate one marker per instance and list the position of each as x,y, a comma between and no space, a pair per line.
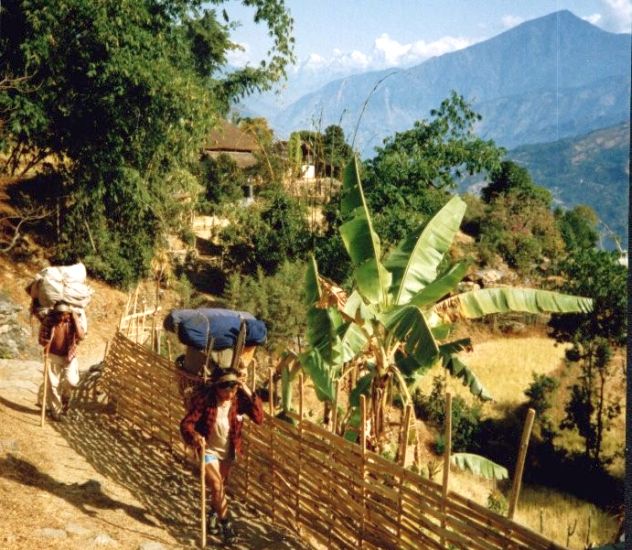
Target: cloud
387,52
594,18
617,16
509,21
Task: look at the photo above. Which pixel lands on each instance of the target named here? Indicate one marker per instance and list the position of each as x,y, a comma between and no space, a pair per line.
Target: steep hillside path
85,484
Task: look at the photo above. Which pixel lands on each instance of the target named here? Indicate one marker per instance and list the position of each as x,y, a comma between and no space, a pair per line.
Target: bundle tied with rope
217,340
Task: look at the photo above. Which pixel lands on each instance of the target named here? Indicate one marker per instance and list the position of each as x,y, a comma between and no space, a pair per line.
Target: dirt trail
89,483
84,483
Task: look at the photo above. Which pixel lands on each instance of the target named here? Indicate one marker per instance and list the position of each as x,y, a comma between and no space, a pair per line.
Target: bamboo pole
301,412
271,410
405,434
446,459
401,460
168,350
522,454
129,324
124,312
44,396
331,516
152,336
334,415
252,373
363,467
203,497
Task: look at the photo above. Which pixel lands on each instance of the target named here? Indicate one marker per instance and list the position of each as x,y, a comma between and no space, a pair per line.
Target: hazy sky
375,34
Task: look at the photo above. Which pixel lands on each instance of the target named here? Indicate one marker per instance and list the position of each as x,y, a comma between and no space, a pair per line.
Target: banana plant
398,320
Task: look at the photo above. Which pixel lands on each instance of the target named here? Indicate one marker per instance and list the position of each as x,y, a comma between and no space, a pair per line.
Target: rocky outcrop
15,339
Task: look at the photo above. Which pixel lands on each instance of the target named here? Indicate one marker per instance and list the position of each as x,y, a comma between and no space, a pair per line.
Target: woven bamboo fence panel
312,481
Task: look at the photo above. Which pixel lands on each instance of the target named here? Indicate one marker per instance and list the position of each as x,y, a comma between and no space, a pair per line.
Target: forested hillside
593,169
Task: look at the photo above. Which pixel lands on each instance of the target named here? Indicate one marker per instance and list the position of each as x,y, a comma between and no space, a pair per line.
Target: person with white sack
60,333
59,295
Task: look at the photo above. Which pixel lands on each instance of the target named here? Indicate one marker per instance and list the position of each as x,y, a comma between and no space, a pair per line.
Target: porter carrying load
221,333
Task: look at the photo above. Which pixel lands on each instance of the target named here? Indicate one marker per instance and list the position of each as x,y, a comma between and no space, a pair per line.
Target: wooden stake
271,410
301,383
271,391
522,454
446,459
44,396
404,434
334,415
203,496
301,390
363,466
401,460
253,373
125,311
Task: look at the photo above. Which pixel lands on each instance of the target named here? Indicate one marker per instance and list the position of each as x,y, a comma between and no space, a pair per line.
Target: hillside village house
229,139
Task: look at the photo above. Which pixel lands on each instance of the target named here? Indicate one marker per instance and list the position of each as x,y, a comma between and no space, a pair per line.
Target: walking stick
45,388
203,495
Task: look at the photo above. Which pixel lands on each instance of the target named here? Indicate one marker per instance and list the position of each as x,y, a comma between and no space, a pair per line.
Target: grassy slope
505,366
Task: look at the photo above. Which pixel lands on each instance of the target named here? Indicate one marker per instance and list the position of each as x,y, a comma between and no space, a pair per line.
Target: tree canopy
121,96
415,169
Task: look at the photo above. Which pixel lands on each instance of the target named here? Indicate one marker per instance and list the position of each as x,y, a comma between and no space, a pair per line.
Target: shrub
496,502
466,419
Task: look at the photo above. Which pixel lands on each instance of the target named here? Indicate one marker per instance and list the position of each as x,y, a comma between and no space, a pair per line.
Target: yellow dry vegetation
505,367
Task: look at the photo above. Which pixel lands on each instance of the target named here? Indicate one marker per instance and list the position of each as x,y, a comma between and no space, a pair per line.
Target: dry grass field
505,365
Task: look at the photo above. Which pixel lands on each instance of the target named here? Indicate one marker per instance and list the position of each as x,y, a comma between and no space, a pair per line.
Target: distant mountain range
553,77
593,169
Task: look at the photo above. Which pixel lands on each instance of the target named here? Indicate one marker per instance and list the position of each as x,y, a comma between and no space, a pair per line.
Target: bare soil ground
89,482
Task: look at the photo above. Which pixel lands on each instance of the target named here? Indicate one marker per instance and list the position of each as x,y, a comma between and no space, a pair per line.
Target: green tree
274,299
521,229
267,234
122,95
223,181
540,392
509,177
594,336
408,179
336,151
578,227
518,224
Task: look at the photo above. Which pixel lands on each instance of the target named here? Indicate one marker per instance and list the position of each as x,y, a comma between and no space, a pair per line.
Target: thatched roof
230,138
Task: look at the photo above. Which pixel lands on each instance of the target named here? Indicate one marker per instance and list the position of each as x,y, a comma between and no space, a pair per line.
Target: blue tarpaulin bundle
194,327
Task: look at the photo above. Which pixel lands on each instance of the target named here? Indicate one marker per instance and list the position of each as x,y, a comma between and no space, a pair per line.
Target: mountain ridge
558,54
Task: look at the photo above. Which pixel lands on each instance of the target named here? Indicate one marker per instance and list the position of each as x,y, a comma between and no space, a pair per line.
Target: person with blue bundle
212,426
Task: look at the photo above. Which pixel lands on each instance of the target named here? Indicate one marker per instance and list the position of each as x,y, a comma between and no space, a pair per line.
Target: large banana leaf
479,465
353,340
358,310
414,261
289,367
322,324
407,324
361,241
477,303
442,286
322,374
458,369
411,369
363,386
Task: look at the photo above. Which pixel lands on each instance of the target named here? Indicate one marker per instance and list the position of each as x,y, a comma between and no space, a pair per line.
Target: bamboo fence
310,480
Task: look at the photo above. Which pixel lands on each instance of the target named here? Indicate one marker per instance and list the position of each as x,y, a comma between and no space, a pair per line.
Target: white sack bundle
63,284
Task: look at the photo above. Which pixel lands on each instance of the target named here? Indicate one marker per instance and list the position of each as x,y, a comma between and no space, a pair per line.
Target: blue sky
360,35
